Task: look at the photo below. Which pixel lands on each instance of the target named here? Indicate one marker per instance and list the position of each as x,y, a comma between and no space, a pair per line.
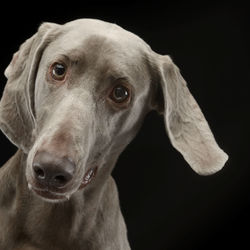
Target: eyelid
120,80
61,58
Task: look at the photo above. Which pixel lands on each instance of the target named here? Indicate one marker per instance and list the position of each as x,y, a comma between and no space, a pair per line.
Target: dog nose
52,171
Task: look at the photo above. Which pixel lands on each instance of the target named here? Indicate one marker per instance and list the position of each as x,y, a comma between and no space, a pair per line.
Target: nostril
39,172
60,179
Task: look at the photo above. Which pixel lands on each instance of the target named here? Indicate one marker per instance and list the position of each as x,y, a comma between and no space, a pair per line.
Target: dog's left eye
120,94
58,71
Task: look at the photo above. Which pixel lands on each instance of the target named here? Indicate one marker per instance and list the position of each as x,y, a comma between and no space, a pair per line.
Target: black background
165,204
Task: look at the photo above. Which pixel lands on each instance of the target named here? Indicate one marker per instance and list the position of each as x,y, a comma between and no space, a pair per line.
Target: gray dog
76,96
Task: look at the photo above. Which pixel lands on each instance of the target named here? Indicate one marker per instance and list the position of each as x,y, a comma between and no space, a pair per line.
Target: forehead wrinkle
99,47
104,56
76,55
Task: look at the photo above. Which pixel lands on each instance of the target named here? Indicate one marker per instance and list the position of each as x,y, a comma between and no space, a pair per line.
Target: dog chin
48,200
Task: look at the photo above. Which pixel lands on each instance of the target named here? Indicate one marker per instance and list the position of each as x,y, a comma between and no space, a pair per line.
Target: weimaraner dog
76,95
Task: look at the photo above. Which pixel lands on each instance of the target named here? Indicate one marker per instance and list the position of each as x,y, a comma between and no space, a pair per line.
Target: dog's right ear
17,116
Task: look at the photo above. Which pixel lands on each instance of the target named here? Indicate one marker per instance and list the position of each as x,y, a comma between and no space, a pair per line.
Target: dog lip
47,194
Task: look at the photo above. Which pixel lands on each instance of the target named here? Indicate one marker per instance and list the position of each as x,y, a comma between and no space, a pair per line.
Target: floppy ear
186,126
17,117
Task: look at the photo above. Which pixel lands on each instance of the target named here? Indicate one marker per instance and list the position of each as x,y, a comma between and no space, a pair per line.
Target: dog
76,96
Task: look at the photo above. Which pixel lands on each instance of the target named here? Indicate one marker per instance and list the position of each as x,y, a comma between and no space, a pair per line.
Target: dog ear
186,126
17,116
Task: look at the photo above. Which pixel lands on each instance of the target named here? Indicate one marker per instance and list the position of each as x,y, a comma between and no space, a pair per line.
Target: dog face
81,91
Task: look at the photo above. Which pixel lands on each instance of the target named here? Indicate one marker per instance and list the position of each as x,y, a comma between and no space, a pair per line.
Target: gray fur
76,119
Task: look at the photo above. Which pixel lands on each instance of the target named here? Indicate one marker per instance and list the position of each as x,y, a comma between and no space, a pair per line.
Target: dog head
76,96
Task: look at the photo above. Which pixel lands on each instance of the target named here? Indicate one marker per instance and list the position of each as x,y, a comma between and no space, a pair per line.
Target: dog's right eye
58,71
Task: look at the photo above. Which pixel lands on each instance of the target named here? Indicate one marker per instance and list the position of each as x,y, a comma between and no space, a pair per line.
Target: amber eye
58,71
120,94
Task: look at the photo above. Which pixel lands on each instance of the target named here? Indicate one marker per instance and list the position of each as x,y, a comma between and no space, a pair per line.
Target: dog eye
120,94
58,71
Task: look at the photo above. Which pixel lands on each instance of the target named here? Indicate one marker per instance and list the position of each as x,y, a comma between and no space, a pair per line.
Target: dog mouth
53,196
88,177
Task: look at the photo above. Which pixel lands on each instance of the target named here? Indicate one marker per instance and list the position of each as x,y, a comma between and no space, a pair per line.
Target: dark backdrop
165,204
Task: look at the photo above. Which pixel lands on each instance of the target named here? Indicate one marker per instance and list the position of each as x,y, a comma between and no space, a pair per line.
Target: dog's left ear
17,116
186,126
